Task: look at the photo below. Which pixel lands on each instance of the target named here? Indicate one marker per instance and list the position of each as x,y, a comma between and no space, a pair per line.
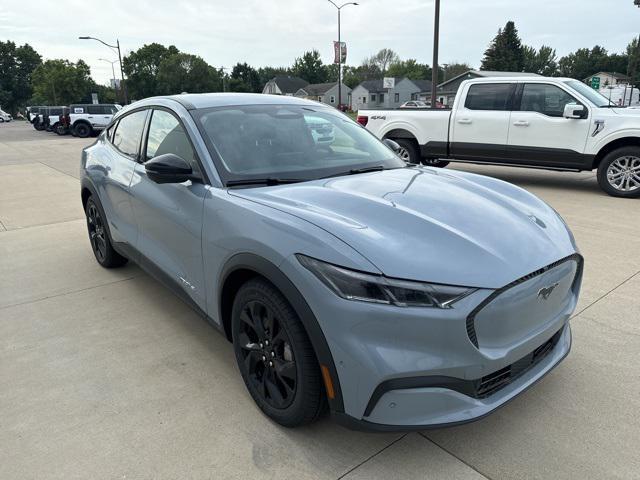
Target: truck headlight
366,287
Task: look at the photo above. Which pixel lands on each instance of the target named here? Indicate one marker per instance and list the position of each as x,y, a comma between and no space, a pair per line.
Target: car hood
429,224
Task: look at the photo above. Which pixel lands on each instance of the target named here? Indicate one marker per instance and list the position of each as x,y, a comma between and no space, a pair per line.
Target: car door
539,133
113,173
169,216
480,127
108,111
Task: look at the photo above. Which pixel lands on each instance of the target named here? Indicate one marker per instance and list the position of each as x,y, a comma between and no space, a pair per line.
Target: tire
435,162
61,129
275,356
39,126
619,172
1,120
409,150
99,236
83,130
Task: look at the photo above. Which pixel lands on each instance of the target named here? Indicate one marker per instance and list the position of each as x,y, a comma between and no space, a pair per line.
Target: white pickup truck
539,122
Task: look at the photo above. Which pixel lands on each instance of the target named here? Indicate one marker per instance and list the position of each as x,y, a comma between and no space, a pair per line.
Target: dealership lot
105,374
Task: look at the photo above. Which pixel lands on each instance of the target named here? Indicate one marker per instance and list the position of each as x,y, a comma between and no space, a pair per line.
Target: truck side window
489,96
545,99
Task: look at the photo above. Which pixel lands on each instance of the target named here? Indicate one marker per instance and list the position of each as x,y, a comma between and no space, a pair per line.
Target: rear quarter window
489,96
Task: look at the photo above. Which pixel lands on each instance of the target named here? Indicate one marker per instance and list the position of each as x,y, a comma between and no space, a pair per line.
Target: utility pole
436,39
116,48
339,8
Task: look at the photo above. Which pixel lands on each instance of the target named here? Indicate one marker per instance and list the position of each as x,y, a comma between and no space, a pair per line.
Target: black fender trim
272,273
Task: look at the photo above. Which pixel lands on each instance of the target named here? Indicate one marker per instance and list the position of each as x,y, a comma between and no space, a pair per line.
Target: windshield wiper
264,181
355,171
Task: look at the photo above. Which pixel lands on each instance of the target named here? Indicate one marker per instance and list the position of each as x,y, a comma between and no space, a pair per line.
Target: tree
310,67
244,78
505,53
267,73
543,61
584,62
633,55
183,72
452,70
383,59
60,82
411,69
16,68
141,68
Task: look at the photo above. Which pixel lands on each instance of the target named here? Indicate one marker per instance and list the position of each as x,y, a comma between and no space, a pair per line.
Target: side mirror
168,168
392,145
572,110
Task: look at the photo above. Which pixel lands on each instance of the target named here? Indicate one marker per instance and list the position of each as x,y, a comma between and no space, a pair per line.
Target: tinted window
109,109
95,109
166,135
127,135
289,141
546,99
489,96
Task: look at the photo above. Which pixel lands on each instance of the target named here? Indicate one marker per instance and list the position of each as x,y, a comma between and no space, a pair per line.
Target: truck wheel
61,129
435,162
38,126
408,151
619,173
83,130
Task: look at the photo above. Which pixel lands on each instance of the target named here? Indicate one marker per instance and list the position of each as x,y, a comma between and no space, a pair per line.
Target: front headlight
367,287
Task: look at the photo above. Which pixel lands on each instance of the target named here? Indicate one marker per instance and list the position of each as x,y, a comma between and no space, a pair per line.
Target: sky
275,32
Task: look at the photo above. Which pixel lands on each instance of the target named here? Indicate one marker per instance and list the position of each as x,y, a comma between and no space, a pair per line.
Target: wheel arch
629,141
400,133
244,266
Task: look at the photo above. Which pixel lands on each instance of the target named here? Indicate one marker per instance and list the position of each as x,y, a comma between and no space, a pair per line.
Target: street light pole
116,48
436,38
339,8
113,73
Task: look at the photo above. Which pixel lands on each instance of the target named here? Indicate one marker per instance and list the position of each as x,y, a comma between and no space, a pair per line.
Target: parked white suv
85,119
554,123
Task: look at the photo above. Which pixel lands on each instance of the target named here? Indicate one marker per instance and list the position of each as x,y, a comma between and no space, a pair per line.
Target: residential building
372,94
325,93
284,85
608,79
447,90
424,93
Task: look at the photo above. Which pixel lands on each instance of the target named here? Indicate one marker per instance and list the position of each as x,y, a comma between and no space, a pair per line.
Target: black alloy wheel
99,237
82,130
274,355
267,355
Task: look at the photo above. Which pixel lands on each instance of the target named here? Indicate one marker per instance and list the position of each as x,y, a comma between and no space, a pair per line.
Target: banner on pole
340,52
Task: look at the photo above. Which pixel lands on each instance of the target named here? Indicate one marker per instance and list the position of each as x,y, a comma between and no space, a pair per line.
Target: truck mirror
572,110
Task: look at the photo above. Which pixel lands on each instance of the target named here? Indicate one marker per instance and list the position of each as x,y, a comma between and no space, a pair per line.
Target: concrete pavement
105,374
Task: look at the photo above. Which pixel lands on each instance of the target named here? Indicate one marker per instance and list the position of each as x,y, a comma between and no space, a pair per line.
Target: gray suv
398,296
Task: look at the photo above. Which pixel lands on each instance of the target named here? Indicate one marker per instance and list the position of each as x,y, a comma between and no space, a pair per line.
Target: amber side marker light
328,383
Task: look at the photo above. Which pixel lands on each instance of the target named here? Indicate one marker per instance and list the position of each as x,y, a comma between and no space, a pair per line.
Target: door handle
465,121
521,123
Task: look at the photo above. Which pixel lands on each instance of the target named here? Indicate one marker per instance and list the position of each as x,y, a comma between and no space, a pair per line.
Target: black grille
471,327
493,382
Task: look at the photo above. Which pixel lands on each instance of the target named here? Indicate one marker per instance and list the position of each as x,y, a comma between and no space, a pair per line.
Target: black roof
423,85
319,88
289,84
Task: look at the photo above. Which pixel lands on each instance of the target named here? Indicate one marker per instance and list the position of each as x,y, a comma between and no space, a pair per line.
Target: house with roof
424,90
372,94
325,93
448,89
608,79
284,85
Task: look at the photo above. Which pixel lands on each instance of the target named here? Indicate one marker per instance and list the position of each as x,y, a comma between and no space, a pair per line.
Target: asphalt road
105,374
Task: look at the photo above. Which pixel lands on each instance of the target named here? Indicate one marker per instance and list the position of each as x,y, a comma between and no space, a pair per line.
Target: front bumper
417,368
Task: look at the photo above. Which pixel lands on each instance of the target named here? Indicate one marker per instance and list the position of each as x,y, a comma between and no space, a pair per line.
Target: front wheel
619,173
82,130
275,356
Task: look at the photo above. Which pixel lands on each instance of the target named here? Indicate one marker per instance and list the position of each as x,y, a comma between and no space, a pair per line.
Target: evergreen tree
310,67
505,53
633,54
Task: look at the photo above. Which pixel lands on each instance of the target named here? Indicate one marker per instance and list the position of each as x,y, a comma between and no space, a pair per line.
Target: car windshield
589,93
289,142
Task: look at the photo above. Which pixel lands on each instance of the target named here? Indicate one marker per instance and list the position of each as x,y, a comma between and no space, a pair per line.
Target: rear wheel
99,236
275,356
61,129
82,130
408,150
619,173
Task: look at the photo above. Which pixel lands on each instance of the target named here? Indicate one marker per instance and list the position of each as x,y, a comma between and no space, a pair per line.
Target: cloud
274,32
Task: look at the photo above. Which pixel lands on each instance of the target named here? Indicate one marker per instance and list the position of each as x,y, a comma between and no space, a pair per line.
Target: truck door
539,134
480,126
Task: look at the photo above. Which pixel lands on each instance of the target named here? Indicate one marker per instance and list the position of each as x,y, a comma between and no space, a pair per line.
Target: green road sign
595,83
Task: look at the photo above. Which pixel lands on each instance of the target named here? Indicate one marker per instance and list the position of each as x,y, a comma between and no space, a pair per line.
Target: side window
489,96
128,132
166,135
546,99
396,97
94,110
109,132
